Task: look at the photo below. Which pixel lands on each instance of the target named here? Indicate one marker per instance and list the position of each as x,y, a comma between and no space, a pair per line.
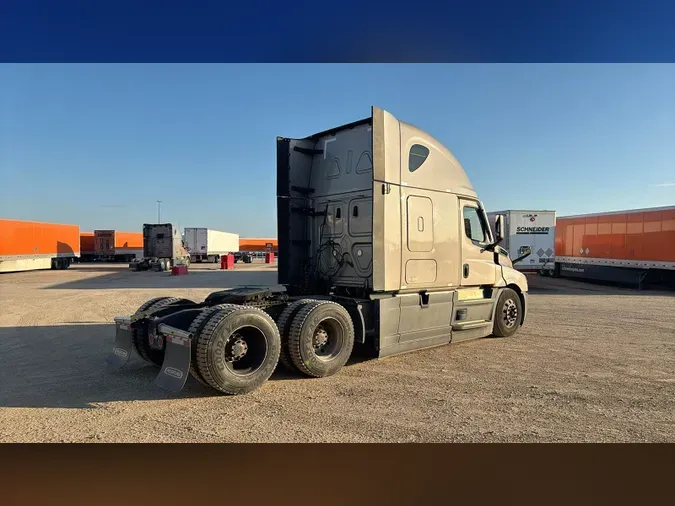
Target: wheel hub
510,313
320,338
237,350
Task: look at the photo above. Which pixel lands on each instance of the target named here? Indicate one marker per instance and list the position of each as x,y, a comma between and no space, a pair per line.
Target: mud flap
123,344
177,356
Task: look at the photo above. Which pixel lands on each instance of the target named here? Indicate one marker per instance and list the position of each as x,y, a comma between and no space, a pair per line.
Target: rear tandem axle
233,340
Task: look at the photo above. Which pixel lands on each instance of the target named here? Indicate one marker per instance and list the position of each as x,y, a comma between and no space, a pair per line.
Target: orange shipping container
638,238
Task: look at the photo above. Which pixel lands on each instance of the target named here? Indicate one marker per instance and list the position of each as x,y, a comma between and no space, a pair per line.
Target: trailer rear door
536,230
104,242
201,241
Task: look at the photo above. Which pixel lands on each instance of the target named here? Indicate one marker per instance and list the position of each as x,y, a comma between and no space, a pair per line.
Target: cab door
477,266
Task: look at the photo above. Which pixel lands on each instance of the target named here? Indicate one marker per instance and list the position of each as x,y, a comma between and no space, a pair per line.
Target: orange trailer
118,246
32,245
271,245
86,246
86,242
628,247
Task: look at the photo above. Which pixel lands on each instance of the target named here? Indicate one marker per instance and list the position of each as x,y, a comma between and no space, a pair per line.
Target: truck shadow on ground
120,279
62,366
96,267
539,285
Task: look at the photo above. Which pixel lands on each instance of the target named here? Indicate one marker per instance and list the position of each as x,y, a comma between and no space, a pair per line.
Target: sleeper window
418,155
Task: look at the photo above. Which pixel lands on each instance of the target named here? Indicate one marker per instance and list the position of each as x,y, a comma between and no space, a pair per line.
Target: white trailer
206,245
523,228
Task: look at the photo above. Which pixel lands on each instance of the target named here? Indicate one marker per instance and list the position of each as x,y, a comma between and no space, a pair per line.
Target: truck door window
418,154
474,226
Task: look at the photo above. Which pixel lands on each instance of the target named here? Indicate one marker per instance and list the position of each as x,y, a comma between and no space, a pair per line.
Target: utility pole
159,215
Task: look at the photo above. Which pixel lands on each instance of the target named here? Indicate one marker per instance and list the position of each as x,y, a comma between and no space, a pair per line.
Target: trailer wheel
238,349
195,329
155,357
509,314
284,323
321,338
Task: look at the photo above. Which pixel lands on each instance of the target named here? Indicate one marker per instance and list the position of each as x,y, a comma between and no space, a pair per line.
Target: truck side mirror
499,228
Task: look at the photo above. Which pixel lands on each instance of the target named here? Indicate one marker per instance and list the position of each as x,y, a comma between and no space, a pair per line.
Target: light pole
159,206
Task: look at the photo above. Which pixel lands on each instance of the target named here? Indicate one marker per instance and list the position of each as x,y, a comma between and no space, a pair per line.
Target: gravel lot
591,364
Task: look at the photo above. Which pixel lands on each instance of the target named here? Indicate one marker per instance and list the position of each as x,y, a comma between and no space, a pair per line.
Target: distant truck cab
382,242
162,249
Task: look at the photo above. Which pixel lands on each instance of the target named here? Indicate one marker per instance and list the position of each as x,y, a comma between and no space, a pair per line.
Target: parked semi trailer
382,241
206,245
32,245
258,245
162,249
634,247
528,231
115,246
87,250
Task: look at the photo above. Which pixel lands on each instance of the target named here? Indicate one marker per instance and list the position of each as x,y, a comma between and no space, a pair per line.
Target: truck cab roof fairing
439,171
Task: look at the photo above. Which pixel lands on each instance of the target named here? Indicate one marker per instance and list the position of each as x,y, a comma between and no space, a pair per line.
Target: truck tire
238,349
321,338
195,329
150,355
508,314
284,324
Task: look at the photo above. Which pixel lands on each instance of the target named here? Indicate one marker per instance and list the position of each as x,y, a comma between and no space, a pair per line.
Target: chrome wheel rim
510,313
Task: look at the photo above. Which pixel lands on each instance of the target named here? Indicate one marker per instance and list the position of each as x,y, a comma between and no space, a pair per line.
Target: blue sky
97,145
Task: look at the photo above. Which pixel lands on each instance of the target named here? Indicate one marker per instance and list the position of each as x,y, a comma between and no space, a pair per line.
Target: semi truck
529,230
634,247
115,246
162,249
206,245
383,244
32,245
243,256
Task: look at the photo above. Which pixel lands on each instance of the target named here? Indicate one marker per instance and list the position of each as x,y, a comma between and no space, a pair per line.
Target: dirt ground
591,364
